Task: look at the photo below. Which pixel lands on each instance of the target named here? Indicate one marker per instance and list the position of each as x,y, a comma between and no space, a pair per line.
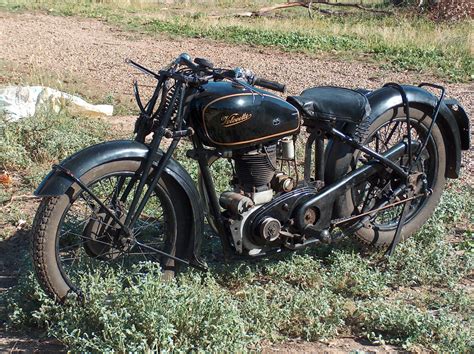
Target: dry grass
403,41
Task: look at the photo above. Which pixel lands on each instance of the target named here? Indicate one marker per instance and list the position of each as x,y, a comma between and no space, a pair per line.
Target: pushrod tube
320,163
308,157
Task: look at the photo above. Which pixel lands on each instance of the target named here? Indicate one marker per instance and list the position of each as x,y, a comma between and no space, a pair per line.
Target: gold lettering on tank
234,119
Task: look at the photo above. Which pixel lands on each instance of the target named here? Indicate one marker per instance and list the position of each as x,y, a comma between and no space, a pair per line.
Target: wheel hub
105,239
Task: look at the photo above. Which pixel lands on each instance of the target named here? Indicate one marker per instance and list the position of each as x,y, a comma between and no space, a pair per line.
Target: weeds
404,56
404,324
413,300
30,146
33,144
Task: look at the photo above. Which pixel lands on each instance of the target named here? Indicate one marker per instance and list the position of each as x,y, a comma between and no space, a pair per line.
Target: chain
337,222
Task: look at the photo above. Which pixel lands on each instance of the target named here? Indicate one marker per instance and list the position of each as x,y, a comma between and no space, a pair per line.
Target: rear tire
57,236
380,230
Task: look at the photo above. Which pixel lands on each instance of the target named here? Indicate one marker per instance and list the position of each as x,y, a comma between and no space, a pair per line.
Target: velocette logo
234,119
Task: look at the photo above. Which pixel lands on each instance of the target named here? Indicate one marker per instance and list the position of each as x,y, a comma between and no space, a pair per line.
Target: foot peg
323,236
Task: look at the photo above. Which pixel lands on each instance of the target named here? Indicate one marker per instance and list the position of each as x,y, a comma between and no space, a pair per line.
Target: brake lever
142,68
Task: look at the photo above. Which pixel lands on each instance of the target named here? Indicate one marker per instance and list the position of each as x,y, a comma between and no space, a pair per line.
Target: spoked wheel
377,198
74,237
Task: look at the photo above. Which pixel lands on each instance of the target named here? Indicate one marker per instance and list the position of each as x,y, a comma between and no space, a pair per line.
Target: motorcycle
374,166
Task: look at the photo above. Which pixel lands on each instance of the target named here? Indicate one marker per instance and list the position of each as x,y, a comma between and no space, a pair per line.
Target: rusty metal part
310,216
282,183
234,202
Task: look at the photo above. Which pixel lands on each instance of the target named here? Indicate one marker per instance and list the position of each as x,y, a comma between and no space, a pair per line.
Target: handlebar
271,85
203,71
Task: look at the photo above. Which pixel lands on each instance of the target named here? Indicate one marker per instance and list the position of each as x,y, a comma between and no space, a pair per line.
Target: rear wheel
384,132
73,237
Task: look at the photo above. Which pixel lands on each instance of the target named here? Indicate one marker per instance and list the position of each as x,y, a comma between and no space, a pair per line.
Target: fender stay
57,183
454,125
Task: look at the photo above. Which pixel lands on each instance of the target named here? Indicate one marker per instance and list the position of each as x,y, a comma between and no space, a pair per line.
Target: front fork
155,162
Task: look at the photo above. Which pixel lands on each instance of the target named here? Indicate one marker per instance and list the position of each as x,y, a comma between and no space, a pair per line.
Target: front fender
57,183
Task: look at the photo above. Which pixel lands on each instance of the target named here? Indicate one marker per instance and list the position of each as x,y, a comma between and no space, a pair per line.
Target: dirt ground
94,53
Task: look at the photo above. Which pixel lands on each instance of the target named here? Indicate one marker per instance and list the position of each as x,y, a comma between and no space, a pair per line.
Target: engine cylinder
255,169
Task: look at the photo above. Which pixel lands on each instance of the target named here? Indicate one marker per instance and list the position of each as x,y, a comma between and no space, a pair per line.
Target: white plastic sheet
18,102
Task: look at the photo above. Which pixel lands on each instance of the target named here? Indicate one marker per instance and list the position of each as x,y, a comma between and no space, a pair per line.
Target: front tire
71,236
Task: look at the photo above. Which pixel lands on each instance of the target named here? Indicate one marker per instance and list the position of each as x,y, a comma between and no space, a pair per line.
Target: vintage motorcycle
375,164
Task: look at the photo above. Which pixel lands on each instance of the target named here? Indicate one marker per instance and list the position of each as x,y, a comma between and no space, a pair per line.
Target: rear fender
452,121
454,124
57,183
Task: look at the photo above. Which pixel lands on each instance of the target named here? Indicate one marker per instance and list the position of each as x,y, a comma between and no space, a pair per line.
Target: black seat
332,104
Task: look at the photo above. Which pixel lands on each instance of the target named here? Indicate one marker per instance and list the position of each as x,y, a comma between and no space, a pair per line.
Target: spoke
91,239
136,230
79,251
107,194
364,206
150,253
71,246
391,134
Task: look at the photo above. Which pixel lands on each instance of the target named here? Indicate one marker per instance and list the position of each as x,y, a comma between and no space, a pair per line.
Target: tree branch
308,4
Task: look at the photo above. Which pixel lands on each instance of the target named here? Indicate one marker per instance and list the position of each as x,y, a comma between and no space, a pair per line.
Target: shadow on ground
14,256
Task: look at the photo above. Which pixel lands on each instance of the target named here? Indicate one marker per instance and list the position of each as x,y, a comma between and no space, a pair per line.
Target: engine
257,179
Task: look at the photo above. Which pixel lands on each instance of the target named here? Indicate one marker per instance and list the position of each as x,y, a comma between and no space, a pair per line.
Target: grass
30,146
34,143
414,300
401,42
305,295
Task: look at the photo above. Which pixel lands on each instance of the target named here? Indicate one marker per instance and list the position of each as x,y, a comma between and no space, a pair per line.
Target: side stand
398,233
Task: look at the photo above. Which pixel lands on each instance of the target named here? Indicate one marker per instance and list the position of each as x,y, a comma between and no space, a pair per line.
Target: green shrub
47,137
406,325
413,299
428,258
32,144
146,314
354,277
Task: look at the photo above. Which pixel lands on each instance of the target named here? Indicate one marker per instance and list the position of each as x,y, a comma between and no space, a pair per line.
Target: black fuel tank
228,115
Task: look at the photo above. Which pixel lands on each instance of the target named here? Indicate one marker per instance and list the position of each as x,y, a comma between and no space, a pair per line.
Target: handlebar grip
188,63
271,85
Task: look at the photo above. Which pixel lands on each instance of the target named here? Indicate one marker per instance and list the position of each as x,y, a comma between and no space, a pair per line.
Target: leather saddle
332,104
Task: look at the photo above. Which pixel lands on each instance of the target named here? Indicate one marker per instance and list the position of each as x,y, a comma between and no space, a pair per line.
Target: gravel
94,52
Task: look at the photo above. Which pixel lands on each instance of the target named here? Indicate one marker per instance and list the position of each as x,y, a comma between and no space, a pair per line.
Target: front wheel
73,238
382,133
